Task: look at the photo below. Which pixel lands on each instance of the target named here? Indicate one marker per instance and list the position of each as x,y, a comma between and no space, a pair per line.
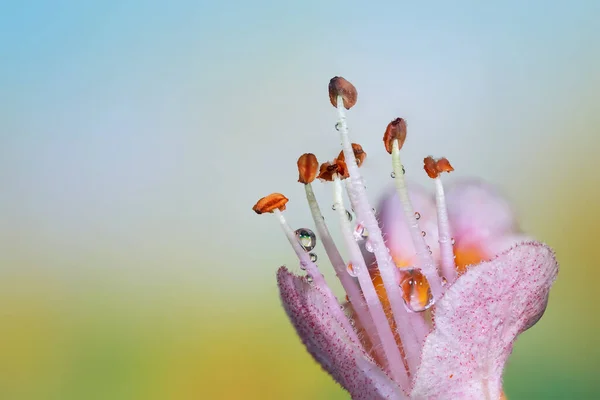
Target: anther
329,170
307,168
339,86
395,130
270,203
359,154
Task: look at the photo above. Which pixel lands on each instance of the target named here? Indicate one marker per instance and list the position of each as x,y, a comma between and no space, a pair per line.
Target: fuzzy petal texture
478,212
326,340
477,321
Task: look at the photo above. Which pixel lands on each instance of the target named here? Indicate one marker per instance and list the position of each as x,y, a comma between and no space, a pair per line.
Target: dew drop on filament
348,215
360,232
313,257
352,270
338,126
393,174
418,215
369,246
306,238
415,290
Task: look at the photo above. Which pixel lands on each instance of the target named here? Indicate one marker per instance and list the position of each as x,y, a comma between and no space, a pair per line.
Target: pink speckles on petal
310,311
478,320
477,212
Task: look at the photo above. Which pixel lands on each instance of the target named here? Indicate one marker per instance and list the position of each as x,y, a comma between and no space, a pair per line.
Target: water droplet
415,290
352,270
423,233
334,207
452,241
360,232
309,278
393,174
444,281
348,215
352,322
373,209
307,238
369,246
403,170
303,265
313,257
338,126
418,215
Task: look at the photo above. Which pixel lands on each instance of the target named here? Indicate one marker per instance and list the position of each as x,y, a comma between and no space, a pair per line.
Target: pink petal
477,321
324,337
395,229
477,212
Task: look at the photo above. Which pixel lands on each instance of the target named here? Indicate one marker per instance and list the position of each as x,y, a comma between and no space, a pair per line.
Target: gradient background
136,135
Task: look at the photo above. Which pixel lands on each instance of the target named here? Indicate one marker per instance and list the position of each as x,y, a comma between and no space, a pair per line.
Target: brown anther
430,167
329,169
435,167
270,203
359,154
307,168
443,165
396,130
338,86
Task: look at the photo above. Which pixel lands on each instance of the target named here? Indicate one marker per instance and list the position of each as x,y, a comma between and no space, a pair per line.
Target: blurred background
135,136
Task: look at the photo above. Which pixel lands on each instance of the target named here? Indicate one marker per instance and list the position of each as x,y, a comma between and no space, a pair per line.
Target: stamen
359,268
387,268
313,271
425,261
329,169
434,168
307,168
350,286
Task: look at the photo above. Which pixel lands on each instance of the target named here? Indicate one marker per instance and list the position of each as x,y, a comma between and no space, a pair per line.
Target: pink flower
438,287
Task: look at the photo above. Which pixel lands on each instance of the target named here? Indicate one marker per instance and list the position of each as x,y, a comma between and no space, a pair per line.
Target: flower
438,287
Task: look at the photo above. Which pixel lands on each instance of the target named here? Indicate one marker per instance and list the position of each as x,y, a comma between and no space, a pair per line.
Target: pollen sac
339,86
307,168
396,130
274,201
443,165
415,290
329,169
359,154
430,167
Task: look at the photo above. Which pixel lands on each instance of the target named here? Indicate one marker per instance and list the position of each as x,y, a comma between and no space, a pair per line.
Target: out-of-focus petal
477,321
477,212
326,340
392,220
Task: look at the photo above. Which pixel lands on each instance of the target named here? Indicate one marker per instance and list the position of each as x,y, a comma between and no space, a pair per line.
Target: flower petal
326,340
477,212
392,220
477,321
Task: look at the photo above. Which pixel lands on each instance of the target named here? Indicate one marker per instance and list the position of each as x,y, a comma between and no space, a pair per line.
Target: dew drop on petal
369,246
352,270
306,238
393,174
313,257
418,215
415,290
